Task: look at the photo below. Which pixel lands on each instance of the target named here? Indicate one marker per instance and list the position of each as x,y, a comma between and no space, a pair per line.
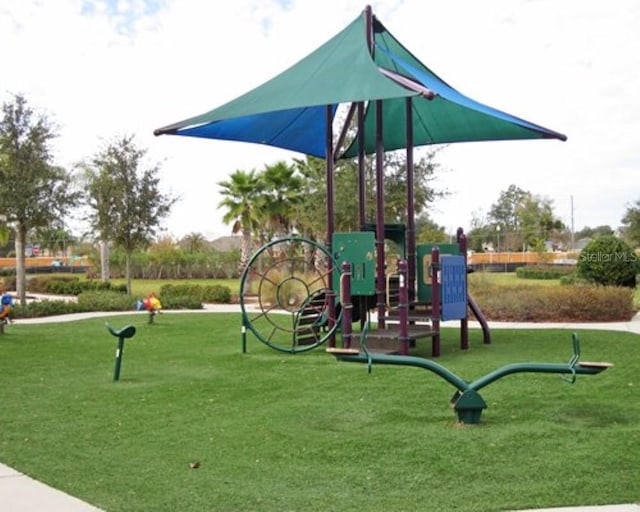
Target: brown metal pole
331,306
464,322
362,167
403,306
411,215
368,16
380,261
435,301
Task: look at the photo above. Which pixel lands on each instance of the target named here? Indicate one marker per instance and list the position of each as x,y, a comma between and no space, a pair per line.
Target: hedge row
209,293
577,303
88,301
544,271
71,285
91,300
94,295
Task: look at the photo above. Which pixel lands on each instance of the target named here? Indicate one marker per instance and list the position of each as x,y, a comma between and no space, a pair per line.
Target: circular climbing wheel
286,295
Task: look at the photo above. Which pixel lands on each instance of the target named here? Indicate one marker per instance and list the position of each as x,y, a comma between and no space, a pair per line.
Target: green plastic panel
358,248
423,266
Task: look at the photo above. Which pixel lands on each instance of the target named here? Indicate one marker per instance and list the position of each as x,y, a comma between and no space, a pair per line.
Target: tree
523,219
281,188
34,193
587,232
480,232
538,222
395,185
193,242
284,198
505,210
55,239
428,230
609,261
631,221
125,199
311,213
242,199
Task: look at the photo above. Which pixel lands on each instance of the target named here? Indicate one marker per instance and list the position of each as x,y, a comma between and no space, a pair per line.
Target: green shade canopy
289,111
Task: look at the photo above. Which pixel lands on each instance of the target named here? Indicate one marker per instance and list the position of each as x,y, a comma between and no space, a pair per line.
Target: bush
44,308
40,284
181,302
9,283
105,301
577,303
573,279
70,285
211,293
544,271
609,261
216,293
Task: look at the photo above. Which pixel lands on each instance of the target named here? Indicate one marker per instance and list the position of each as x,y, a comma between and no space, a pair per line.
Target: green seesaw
466,401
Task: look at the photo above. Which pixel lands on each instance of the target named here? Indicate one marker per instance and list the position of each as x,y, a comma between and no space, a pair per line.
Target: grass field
276,432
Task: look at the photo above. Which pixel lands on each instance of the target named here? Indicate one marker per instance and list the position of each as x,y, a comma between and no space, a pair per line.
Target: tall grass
275,432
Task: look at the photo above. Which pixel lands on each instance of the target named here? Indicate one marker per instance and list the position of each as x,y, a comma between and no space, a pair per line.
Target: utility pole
572,227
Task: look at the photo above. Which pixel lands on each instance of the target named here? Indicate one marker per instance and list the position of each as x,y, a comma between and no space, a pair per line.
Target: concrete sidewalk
627,507
20,493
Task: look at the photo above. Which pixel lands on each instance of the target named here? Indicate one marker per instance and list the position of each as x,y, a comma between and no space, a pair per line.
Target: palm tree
193,242
282,192
242,198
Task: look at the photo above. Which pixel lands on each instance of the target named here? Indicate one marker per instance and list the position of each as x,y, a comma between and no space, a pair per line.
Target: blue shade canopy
289,111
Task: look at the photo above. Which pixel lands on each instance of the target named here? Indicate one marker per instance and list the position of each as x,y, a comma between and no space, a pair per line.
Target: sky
101,69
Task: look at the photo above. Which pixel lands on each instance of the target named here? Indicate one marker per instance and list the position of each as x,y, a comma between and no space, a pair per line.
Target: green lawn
508,278
276,432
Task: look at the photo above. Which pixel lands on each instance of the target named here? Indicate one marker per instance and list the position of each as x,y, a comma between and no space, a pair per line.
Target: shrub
544,271
70,285
181,302
57,287
578,303
573,279
607,260
92,300
216,293
9,283
8,271
211,293
44,308
40,284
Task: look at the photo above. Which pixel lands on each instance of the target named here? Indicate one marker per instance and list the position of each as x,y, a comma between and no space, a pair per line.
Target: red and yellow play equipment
150,303
6,307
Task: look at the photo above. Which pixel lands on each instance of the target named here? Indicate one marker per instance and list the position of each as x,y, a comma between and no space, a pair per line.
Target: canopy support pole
362,178
381,282
331,306
411,214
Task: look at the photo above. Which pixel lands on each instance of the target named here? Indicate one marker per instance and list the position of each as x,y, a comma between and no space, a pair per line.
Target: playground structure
467,401
310,293
294,285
